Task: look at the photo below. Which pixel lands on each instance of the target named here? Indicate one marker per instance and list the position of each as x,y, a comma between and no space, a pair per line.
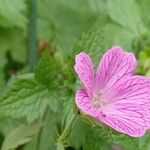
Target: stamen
97,101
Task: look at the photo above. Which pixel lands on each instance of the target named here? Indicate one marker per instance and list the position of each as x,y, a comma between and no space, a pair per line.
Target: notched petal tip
115,64
84,69
78,59
80,56
116,48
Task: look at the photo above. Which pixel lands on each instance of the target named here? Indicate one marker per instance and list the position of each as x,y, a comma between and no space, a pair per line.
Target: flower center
97,101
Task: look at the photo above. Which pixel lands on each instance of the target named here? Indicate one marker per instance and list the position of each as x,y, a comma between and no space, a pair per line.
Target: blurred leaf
77,136
8,124
63,27
127,14
11,41
48,135
98,6
103,36
14,41
21,135
90,136
69,118
126,142
145,9
144,141
25,97
144,61
12,13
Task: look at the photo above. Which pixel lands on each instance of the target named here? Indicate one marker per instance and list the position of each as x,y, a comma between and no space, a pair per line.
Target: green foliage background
37,110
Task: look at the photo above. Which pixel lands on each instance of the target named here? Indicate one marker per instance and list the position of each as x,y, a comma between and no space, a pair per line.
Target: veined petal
84,69
83,101
131,119
133,89
128,110
119,98
114,65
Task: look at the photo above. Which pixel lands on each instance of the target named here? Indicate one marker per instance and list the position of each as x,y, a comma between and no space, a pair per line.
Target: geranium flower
114,95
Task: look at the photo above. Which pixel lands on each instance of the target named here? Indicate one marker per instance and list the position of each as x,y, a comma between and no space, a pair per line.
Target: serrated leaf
10,11
127,14
21,135
25,97
47,70
101,37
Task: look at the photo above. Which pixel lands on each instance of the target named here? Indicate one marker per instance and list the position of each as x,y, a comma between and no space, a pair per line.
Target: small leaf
47,70
21,135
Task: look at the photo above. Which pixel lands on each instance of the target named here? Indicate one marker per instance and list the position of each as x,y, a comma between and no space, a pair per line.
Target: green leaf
48,133
78,134
90,136
145,7
126,13
62,27
144,141
102,36
67,120
47,70
21,135
12,13
12,40
126,142
25,97
98,6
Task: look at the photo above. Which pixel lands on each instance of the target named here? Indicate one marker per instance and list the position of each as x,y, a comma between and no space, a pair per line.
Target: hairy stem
66,132
59,146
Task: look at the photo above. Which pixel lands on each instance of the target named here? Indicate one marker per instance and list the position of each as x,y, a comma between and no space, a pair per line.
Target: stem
65,133
40,132
60,146
32,34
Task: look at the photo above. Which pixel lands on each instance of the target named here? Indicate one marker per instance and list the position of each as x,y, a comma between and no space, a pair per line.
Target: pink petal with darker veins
114,65
84,69
83,101
134,89
118,98
127,118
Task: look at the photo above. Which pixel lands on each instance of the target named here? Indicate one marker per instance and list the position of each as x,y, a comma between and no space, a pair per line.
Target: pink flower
114,95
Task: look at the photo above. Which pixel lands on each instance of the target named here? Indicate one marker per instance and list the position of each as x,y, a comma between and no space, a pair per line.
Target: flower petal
127,118
133,89
83,101
84,69
128,110
114,65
